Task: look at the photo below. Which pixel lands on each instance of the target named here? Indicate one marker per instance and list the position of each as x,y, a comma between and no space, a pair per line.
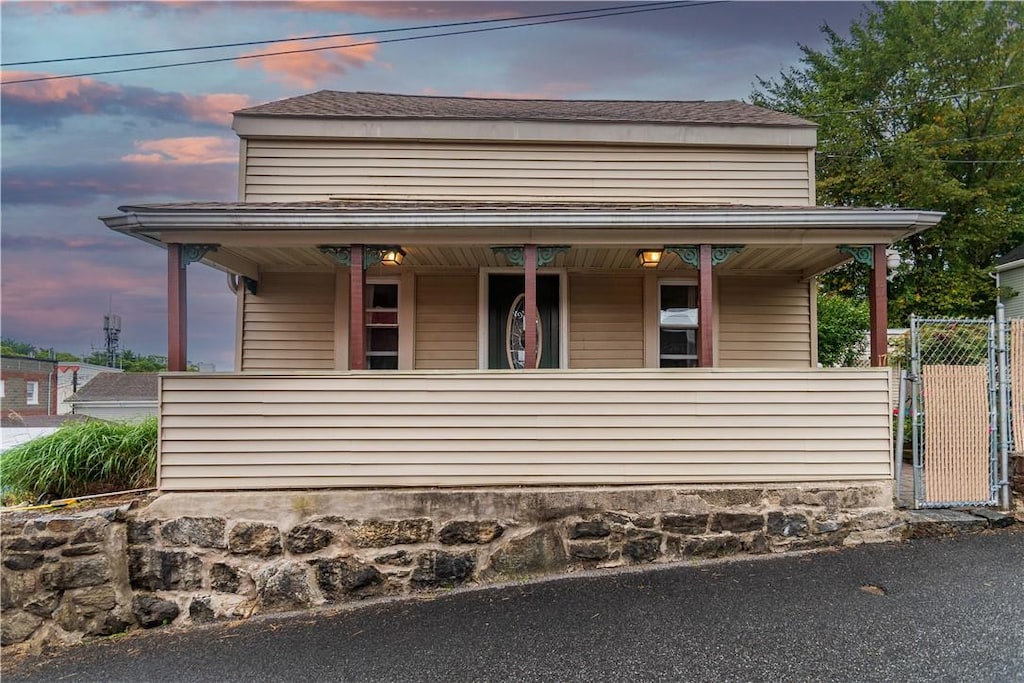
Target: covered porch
669,344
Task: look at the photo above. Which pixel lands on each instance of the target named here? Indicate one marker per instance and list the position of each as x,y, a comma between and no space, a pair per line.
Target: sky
77,148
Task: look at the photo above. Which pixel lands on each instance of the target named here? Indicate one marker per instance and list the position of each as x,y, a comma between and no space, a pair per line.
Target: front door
506,310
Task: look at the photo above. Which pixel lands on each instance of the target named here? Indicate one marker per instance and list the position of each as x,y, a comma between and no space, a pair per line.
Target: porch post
705,310
530,307
177,315
356,309
879,309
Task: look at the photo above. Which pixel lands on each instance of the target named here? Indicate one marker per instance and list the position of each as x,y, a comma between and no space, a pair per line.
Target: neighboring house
400,259
127,396
28,386
16,430
1009,272
72,376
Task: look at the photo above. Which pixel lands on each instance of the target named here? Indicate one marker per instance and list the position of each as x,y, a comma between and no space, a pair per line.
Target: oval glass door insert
515,334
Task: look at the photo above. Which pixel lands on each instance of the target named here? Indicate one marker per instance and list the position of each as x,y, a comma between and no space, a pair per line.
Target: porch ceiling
803,260
252,236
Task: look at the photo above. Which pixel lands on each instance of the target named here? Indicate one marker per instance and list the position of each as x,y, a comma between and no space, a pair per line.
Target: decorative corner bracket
513,255
340,255
690,254
860,254
545,254
190,253
720,253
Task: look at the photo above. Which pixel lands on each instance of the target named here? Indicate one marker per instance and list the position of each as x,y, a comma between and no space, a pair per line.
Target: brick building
28,386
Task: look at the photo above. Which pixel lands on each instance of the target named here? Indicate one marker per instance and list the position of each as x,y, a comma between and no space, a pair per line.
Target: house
450,292
118,396
72,376
28,386
1009,272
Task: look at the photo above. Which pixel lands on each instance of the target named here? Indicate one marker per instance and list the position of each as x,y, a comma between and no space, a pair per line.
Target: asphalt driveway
928,610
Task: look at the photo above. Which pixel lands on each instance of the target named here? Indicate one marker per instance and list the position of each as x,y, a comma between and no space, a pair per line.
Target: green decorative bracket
190,253
514,256
546,255
340,255
720,253
690,254
860,254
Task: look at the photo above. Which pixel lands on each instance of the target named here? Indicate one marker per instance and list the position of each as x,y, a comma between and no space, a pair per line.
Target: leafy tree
842,330
922,106
13,347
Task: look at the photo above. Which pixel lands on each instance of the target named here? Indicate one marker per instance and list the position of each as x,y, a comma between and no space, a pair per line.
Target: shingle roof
343,105
119,386
1015,254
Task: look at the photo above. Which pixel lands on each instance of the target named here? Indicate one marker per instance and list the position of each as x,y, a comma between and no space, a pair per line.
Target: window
382,326
677,326
32,393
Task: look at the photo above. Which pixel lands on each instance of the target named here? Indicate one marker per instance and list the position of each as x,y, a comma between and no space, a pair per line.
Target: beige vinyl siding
1013,278
248,431
289,323
606,327
764,322
446,321
305,170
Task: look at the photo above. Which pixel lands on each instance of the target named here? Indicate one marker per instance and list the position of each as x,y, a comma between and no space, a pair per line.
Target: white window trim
406,315
483,333
652,310
34,395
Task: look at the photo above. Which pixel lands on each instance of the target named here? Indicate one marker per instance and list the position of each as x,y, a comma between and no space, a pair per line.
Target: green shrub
82,458
842,331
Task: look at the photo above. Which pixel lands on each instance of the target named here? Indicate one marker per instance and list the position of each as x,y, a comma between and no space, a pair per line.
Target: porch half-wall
493,428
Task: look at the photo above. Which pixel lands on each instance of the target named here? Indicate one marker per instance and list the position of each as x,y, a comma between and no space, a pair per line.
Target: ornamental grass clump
82,458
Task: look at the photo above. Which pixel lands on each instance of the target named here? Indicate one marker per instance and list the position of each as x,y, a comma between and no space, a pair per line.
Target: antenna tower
112,330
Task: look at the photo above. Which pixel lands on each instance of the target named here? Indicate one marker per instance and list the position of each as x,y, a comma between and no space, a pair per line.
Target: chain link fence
954,411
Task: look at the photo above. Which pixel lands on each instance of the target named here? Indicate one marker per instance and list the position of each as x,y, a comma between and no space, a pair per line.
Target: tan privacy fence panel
456,428
956,433
1017,383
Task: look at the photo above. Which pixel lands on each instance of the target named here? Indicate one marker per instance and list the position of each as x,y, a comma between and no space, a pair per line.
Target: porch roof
244,229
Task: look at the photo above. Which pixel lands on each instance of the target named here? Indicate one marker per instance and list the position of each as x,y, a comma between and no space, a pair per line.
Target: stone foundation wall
197,558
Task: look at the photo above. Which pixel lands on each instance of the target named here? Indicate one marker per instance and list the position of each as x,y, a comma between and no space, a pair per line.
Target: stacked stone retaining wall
200,558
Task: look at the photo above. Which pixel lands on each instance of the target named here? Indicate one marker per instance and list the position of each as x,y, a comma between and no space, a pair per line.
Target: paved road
952,610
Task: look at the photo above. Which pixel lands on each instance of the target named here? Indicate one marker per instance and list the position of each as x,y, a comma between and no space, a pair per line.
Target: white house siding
1013,278
289,323
304,170
446,320
252,431
126,411
764,322
606,327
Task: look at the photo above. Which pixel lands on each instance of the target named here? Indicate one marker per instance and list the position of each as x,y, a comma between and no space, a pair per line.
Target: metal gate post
1004,408
915,410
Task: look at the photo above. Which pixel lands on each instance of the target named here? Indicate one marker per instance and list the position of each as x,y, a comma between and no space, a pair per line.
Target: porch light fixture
649,258
392,256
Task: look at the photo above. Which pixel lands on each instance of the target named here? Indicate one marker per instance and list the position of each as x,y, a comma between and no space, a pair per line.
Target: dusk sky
77,148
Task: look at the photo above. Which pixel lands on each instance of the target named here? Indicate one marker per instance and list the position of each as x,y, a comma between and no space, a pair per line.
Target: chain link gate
957,387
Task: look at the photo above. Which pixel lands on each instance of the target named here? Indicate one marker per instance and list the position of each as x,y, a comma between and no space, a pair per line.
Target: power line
938,98
334,35
352,45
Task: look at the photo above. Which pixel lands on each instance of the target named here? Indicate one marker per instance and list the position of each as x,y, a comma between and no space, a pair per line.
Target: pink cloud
306,68
435,11
192,150
47,102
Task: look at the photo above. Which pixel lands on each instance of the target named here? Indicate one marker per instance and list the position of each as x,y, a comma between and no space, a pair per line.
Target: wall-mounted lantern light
649,258
392,256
